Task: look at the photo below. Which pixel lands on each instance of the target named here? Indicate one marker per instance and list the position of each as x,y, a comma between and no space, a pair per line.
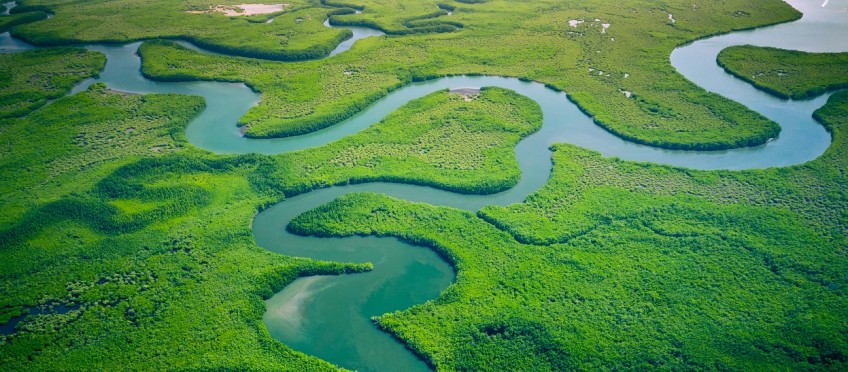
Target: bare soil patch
243,9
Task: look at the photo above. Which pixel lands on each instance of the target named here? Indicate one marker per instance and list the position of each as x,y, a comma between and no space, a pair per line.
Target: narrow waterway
329,316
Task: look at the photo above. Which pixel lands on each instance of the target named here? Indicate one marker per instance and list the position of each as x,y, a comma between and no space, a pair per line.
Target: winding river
329,316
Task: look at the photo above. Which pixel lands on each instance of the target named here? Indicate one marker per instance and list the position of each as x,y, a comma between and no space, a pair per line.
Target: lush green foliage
297,98
395,18
7,22
439,140
786,73
298,33
612,265
530,40
104,209
29,79
643,267
104,127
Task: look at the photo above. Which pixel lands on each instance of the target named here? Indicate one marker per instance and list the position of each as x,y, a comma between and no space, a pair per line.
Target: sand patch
468,94
243,9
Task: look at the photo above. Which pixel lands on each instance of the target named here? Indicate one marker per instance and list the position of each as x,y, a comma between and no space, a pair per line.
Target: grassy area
105,209
533,40
12,20
612,265
49,147
786,73
297,33
439,140
30,79
396,18
642,267
618,264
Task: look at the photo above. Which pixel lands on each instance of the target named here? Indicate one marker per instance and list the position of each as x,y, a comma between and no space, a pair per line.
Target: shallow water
358,33
9,7
329,316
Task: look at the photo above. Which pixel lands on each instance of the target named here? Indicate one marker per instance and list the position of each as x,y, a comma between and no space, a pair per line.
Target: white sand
244,9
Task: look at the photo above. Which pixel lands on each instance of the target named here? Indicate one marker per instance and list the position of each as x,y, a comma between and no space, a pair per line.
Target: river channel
329,316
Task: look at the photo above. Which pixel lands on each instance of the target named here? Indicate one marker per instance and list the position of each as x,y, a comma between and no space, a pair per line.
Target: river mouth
309,314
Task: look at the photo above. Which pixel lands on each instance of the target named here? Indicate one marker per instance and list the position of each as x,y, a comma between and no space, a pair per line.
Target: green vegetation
440,140
643,266
786,73
533,41
30,79
296,34
44,150
395,18
297,98
107,209
9,21
104,208
612,265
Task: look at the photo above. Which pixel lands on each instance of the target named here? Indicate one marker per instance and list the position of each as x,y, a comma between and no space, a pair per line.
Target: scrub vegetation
396,18
534,41
143,242
12,20
295,34
30,79
440,140
631,266
786,73
128,242
122,245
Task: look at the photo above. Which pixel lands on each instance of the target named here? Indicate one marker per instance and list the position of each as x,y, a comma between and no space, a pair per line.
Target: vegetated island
594,67
125,227
30,79
786,73
617,263
613,264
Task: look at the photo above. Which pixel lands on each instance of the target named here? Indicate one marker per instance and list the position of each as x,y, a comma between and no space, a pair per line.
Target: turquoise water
329,316
358,33
9,7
